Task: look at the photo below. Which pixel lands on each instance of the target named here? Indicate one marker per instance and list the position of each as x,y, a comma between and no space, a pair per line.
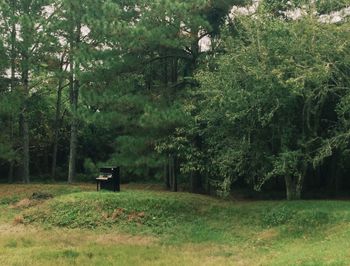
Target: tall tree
24,21
272,87
61,79
74,42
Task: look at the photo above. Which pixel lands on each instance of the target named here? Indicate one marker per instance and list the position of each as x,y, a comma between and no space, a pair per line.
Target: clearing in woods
143,225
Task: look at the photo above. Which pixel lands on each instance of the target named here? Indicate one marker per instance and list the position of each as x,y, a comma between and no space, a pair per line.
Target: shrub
278,216
312,218
90,168
41,196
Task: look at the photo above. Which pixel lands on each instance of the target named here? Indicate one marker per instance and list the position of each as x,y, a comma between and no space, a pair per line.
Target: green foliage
128,83
277,7
154,213
11,244
41,195
9,200
90,167
183,217
278,216
267,96
297,223
327,6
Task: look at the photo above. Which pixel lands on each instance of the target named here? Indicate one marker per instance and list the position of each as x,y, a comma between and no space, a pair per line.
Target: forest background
209,96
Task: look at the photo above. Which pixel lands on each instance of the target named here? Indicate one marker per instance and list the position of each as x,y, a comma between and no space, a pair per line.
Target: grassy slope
138,227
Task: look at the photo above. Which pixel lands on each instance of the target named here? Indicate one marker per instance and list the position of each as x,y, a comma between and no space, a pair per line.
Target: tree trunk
54,157
196,182
57,125
293,187
166,175
13,84
172,173
74,94
334,180
25,133
25,122
73,136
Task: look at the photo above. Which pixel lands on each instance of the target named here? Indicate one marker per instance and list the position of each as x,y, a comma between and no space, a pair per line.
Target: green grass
184,217
143,227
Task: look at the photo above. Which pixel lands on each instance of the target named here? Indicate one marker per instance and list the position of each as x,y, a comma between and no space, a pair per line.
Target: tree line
194,93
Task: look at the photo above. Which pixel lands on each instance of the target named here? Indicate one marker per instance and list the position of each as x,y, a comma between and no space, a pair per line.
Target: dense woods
211,96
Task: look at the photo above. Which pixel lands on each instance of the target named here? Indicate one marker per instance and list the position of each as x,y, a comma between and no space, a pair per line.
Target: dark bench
108,179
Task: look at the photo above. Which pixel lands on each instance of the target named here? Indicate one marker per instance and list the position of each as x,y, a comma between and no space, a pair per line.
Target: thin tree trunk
73,135
334,180
74,94
172,160
175,176
54,157
172,171
13,84
25,135
166,175
25,122
25,159
196,182
57,124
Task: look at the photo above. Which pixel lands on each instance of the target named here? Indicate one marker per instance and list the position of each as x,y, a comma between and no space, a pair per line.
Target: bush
312,218
90,168
297,220
278,216
41,196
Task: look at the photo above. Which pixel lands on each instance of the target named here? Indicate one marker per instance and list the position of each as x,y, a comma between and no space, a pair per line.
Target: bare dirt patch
267,234
24,203
18,220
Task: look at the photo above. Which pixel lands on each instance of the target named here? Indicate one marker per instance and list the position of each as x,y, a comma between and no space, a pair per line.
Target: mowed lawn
74,225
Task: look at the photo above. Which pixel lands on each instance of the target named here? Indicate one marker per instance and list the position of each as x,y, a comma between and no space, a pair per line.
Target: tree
25,36
271,88
73,32
172,32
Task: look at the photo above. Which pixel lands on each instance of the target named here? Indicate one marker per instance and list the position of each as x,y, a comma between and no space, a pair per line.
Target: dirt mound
35,199
24,203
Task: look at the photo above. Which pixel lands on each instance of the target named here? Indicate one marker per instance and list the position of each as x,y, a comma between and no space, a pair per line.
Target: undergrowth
9,200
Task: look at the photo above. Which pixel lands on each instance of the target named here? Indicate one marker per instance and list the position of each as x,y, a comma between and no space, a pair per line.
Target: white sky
333,17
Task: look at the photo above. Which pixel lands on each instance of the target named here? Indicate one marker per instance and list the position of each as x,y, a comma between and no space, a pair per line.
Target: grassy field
74,225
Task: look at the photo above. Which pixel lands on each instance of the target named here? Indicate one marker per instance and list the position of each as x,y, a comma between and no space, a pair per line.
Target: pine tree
25,36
